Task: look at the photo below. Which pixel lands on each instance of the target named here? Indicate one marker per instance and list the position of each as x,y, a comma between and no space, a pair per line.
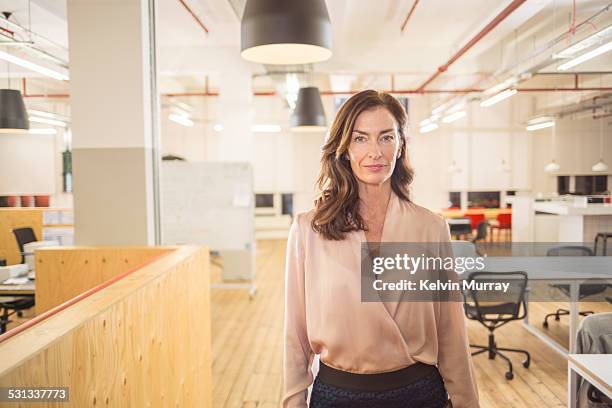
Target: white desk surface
598,366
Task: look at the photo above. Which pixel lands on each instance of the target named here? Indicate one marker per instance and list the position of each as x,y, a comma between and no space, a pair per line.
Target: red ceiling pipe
405,23
195,17
489,27
25,93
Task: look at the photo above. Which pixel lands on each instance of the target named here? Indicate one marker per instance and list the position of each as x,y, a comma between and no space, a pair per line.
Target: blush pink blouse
324,314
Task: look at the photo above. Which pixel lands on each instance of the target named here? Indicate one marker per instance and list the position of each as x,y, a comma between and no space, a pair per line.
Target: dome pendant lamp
286,32
13,114
308,115
600,166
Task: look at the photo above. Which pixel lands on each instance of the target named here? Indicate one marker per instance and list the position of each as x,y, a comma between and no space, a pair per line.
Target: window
483,199
563,185
586,185
454,199
67,171
264,200
287,203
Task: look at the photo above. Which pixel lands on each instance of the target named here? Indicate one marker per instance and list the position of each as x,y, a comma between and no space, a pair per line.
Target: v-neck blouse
324,314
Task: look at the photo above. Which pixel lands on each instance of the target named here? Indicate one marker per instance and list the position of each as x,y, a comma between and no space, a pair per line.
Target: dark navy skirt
426,392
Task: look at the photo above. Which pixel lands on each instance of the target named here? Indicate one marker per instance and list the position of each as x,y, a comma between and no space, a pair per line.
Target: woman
372,354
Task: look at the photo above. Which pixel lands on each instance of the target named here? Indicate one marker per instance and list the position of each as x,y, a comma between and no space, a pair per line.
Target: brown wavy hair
336,210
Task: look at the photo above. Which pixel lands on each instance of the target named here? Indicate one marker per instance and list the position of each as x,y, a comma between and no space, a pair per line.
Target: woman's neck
374,198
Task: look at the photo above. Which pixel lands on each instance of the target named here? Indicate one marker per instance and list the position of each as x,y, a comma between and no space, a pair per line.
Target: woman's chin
373,179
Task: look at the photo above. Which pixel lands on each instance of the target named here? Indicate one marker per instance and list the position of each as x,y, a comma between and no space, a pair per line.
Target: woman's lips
375,167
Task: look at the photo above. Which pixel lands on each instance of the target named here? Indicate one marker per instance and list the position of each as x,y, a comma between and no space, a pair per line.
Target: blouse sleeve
454,357
298,354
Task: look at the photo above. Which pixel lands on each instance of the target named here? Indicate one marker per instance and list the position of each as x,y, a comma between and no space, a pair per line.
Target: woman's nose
375,150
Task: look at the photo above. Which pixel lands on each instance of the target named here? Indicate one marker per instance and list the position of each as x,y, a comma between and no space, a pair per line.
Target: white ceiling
368,42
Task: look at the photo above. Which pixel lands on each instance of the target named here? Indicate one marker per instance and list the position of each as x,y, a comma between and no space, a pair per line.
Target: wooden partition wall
63,272
142,341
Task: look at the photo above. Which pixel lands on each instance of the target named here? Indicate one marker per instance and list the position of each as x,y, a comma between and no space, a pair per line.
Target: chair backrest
570,250
505,220
24,236
475,218
481,231
512,300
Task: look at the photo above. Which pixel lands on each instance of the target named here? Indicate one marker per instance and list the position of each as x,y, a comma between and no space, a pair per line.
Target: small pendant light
286,32
600,166
308,115
13,114
553,166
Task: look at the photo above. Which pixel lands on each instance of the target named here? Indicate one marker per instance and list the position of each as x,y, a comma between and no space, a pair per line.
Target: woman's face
374,147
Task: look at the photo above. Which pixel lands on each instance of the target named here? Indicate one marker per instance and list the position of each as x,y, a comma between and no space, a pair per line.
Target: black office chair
24,236
585,290
493,315
17,305
604,239
481,232
12,307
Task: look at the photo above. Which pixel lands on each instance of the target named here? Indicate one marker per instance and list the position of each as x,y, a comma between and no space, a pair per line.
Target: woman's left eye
387,138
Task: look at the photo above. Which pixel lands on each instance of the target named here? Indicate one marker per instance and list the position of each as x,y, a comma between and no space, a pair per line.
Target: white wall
27,164
577,149
289,162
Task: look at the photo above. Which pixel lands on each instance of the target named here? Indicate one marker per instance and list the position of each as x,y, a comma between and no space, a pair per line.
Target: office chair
24,236
604,238
481,232
496,314
12,307
585,290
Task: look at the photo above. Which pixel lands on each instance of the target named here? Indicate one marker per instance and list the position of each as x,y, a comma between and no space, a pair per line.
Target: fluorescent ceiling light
501,86
425,122
180,119
218,127
43,131
497,98
42,114
428,128
454,116
588,42
540,125
585,57
439,109
52,122
429,120
265,128
34,67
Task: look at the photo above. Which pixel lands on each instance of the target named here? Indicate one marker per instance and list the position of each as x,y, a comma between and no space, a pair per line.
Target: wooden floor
247,348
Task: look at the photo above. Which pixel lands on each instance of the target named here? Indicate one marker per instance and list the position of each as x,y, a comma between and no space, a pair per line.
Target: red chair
504,223
475,218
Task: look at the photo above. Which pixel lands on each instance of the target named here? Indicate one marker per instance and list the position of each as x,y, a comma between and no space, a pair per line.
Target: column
114,121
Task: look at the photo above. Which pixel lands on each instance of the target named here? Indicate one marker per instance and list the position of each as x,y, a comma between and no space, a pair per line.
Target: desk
594,368
568,270
27,289
459,226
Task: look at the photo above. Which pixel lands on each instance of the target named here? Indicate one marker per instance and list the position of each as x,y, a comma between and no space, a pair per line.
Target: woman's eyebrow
366,133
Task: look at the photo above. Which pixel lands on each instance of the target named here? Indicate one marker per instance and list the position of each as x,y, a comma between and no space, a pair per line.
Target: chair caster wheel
557,318
545,324
526,363
509,375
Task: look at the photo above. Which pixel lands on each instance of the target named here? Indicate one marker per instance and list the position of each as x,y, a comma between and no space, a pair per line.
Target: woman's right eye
359,138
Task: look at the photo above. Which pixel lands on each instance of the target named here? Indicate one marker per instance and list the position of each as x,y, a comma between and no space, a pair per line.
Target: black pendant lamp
13,114
286,32
308,115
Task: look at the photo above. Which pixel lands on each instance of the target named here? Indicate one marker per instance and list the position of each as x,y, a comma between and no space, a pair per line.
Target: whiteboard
207,203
